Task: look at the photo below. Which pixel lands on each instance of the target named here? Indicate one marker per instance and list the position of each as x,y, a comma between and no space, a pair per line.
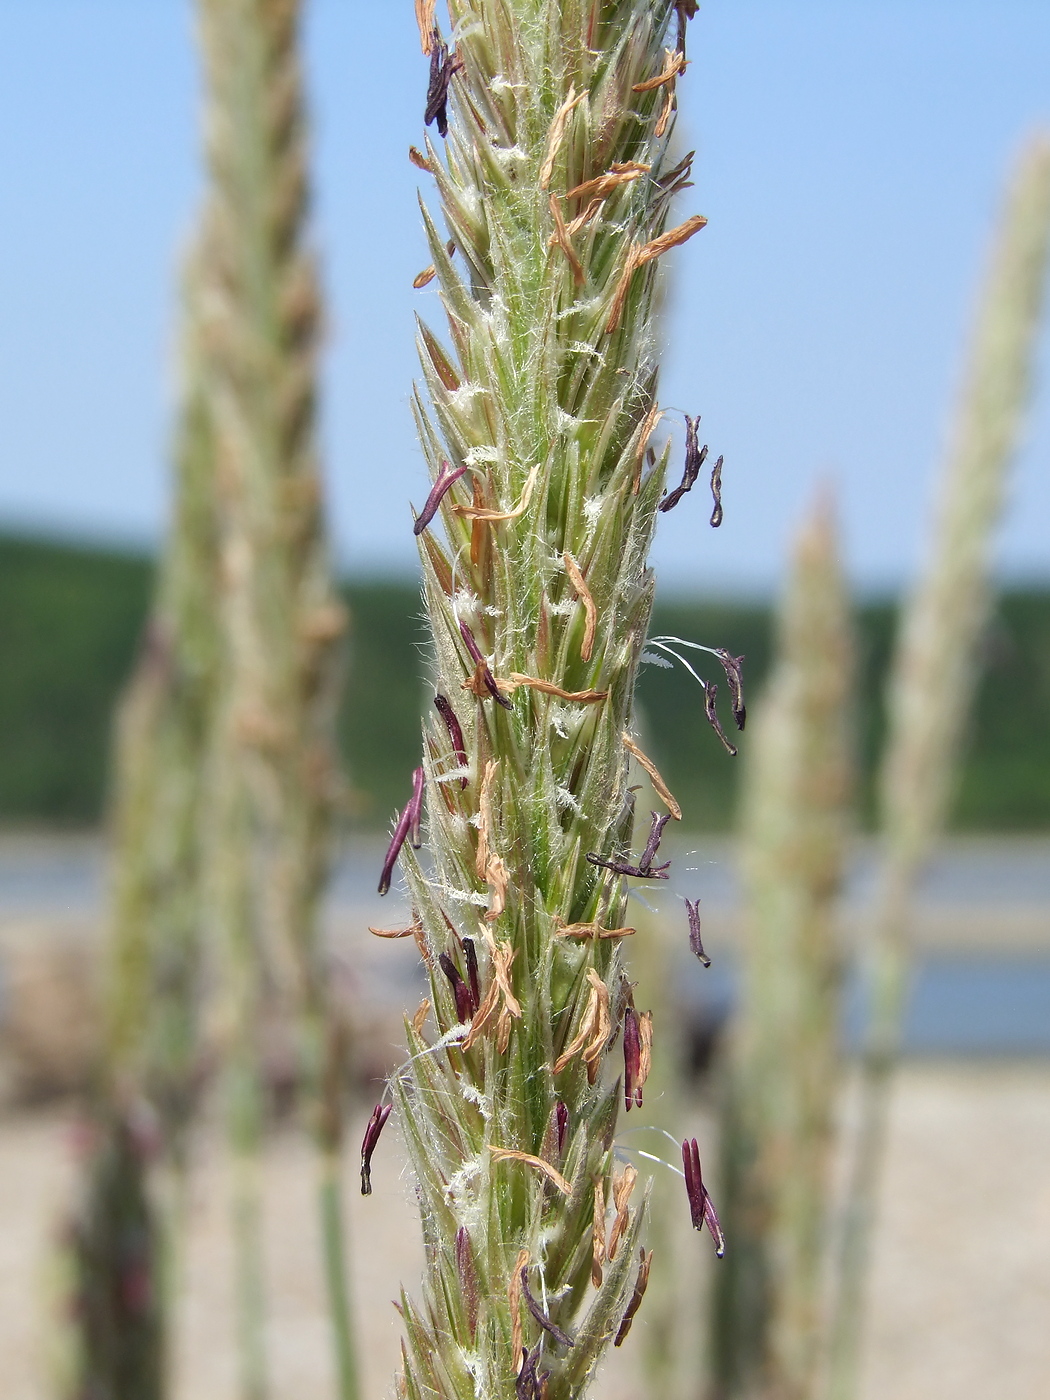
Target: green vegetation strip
70,619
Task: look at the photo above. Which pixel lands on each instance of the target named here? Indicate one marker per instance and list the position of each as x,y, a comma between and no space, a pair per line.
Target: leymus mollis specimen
781,1079
933,679
556,186
280,621
151,1055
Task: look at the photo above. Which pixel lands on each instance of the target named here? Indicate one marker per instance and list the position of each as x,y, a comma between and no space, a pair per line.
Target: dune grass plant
553,161
781,1077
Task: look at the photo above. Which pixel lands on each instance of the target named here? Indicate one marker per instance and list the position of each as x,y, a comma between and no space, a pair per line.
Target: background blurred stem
934,674
781,1075
281,622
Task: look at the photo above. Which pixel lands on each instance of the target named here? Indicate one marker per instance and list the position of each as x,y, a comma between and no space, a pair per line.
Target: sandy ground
962,1276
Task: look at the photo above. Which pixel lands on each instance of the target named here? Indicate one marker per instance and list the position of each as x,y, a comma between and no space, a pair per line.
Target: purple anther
692,908
401,830
468,1277
376,1124
561,1120
415,807
455,732
701,1207
619,867
656,831
529,1385
447,477
473,981
632,1059
486,675
442,67
540,1316
695,456
733,667
460,990
716,492
710,696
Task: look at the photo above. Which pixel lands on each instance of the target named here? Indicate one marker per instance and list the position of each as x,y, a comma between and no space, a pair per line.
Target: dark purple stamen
407,826
446,477
716,492
656,831
442,67
694,460
692,908
468,1277
619,867
376,1124
455,732
486,675
561,1119
473,981
529,1386
733,667
632,1058
701,1207
710,696
459,989
645,869
540,1316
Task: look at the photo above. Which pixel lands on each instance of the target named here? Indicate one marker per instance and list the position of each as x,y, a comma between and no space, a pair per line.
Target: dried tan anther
419,160
638,256
598,1233
645,1039
573,227
514,1299
499,1003
557,135
553,1175
497,879
425,20
670,103
640,1285
481,858
419,1020
473,513
674,64
560,239
582,697
648,428
603,185
476,683
410,932
424,278
590,611
593,1036
592,930
662,790
623,1185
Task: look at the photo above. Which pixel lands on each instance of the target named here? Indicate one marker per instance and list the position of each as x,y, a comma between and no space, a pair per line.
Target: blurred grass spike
275,776
781,1074
934,675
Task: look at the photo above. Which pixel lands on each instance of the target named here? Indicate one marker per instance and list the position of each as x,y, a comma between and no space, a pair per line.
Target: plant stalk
934,674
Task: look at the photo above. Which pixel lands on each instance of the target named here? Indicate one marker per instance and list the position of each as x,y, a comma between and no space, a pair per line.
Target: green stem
337,1274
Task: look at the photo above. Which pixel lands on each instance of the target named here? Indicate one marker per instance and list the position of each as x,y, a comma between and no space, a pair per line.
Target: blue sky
850,160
